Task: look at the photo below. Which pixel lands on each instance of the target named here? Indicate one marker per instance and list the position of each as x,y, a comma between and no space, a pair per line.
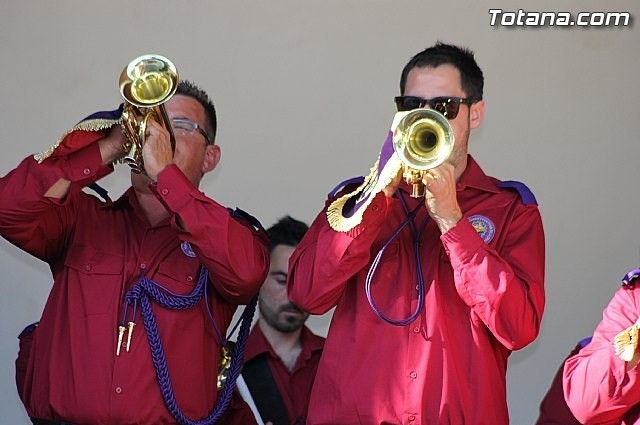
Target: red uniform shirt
482,301
597,386
96,252
294,386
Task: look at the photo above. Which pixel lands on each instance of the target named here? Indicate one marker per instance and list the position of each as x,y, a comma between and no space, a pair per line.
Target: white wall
304,91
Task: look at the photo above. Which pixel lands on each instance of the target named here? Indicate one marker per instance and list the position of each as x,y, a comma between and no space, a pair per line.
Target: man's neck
286,345
152,207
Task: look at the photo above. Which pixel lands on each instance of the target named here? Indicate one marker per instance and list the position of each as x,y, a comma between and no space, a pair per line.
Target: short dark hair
187,88
287,231
471,78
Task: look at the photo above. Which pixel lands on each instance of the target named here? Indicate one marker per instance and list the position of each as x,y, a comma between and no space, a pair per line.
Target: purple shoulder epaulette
106,115
353,180
584,342
238,213
631,278
102,192
525,193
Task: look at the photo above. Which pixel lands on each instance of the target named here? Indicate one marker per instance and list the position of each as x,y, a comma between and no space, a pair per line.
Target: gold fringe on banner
372,185
97,124
626,342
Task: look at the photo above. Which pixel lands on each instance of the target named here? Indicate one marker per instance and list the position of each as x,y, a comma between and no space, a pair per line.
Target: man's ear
211,158
476,114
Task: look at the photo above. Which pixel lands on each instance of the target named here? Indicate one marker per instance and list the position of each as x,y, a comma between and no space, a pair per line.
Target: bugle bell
423,139
146,83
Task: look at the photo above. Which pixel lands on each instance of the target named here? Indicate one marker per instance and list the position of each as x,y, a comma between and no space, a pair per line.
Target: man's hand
112,146
156,152
440,196
391,188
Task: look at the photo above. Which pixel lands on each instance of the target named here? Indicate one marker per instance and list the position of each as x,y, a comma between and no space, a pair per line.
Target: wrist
109,152
446,223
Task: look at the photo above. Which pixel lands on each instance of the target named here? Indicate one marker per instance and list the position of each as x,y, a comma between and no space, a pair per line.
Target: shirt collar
475,178
259,345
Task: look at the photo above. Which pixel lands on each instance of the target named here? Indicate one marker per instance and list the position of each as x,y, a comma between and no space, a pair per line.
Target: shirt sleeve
505,288
325,260
597,386
233,250
38,224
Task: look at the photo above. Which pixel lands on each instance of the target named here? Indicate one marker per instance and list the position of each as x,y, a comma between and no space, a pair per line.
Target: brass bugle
146,84
423,139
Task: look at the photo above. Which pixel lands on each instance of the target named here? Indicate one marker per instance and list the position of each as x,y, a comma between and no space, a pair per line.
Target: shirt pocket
94,278
387,282
178,275
390,253
451,303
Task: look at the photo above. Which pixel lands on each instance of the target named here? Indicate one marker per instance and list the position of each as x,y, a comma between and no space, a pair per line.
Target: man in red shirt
282,354
601,382
553,407
431,294
144,287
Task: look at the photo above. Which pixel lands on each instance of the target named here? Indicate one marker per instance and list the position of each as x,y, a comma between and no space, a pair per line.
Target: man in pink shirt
145,286
431,294
601,382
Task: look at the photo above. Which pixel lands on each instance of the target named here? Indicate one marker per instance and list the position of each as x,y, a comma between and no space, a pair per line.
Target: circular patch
485,227
186,248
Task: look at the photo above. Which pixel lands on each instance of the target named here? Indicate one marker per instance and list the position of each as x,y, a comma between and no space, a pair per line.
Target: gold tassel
373,184
130,334
121,330
224,365
626,342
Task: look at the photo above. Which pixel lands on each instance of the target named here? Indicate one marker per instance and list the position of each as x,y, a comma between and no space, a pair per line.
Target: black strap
264,391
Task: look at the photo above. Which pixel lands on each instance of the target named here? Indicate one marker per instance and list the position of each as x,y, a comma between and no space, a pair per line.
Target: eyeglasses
447,106
183,126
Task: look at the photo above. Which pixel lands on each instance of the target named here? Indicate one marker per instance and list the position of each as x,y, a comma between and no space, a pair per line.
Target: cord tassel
129,335
121,330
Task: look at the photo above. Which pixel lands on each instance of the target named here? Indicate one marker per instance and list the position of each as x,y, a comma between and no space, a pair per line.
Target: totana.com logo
522,18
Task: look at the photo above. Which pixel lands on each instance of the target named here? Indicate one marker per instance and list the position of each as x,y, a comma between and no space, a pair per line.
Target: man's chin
291,323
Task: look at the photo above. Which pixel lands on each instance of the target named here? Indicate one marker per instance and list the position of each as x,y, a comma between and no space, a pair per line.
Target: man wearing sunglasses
145,286
431,294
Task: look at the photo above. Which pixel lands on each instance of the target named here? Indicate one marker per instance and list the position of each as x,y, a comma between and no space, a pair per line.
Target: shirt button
165,191
413,375
416,329
189,278
118,390
412,418
143,265
86,171
87,267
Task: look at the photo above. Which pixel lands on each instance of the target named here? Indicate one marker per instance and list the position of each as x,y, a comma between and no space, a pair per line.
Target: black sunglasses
447,106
